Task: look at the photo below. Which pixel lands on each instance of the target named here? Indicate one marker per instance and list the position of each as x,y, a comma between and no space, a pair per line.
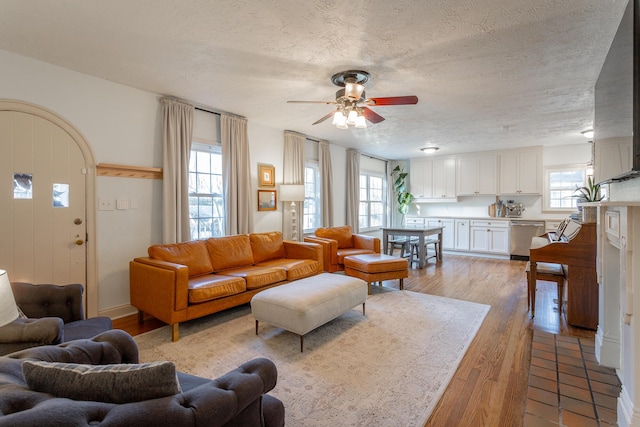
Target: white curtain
353,189
177,128
236,174
326,183
293,174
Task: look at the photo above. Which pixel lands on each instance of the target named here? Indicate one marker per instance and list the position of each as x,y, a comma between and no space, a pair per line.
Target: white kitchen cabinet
612,157
433,179
420,178
444,178
477,174
489,236
521,171
448,230
461,235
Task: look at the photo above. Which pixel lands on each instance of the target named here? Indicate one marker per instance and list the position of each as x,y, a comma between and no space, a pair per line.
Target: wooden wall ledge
124,171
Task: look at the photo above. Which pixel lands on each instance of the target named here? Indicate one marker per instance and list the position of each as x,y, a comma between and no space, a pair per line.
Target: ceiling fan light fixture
429,150
353,90
341,121
361,122
351,118
337,116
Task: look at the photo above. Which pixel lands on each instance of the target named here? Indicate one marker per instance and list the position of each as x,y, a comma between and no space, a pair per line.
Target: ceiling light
336,118
361,122
429,150
588,133
351,118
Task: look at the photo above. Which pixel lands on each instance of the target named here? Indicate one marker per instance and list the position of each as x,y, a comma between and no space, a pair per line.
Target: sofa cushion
193,254
351,251
230,252
212,286
342,235
118,383
266,246
295,268
258,277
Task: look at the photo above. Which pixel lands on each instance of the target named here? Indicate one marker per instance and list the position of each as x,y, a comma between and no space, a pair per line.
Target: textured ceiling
489,74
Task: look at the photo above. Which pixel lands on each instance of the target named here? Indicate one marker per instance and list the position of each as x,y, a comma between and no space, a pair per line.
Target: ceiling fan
352,105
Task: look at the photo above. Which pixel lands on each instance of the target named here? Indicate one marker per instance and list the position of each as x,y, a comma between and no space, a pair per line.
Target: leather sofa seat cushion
342,235
347,252
230,252
257,276
212,286
193,254
266,246
295,268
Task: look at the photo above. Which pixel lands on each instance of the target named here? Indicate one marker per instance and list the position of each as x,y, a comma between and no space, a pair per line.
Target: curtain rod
207,111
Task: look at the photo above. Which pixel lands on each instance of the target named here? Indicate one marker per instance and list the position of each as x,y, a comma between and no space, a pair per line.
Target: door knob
79,242
77,221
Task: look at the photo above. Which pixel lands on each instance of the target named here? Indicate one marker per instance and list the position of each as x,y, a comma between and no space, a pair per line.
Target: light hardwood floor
490,386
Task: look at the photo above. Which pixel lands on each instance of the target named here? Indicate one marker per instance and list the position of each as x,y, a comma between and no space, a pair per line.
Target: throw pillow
119,383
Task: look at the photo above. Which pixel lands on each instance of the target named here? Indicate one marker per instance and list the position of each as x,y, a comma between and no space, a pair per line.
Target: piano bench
547,272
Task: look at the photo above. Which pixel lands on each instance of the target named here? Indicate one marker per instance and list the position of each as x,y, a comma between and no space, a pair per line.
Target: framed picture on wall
267,200
266,175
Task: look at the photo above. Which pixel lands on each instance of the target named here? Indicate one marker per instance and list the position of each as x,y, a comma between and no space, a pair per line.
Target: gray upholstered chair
54,314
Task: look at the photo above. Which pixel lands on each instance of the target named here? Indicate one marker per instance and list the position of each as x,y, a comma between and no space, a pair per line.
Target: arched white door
43,200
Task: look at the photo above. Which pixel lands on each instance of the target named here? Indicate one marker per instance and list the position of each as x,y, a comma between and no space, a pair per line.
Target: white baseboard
119,311
628,416
607,350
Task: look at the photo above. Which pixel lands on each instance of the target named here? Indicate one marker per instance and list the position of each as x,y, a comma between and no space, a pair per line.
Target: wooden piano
579,254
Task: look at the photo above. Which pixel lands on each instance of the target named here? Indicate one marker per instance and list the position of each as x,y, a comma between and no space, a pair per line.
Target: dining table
420,233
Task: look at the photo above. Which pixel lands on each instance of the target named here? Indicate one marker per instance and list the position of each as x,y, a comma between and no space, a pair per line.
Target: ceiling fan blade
324,118
392,100
371,115
311,102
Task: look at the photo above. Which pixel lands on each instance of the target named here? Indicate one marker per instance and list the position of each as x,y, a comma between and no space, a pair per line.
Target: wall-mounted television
617,101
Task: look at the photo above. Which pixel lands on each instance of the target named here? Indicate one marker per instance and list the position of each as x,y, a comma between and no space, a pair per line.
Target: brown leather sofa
183,281
339,242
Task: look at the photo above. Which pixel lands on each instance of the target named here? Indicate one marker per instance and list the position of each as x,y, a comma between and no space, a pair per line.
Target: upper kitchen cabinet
612,157
433,179
521,171
477,174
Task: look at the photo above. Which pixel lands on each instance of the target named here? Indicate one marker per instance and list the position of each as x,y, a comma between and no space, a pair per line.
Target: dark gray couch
55,315
238,398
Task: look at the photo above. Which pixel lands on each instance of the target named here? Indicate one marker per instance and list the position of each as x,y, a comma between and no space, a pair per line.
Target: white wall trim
607,350
119,311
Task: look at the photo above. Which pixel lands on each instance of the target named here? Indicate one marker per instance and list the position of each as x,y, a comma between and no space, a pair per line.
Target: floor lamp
292,193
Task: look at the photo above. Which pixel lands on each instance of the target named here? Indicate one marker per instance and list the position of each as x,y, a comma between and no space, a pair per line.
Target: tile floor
567,387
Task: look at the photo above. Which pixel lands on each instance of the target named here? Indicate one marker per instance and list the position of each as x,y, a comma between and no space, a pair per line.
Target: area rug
386,368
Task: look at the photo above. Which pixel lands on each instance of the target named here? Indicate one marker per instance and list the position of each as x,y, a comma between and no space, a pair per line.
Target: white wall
123,126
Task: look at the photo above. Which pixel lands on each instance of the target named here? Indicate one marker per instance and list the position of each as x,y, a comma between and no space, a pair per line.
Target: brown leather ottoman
376,268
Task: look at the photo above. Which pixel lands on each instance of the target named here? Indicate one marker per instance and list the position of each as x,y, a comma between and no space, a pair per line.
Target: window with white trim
206,203
560,184
371,212
312,204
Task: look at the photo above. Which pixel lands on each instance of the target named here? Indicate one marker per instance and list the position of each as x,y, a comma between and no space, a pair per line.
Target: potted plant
403,197
589,193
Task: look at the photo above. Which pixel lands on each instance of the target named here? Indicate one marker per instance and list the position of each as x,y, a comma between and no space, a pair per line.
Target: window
312,204
560,185
206,207
371,211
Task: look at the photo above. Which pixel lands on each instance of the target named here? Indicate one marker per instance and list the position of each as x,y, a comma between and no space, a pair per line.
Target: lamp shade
292,192
8,307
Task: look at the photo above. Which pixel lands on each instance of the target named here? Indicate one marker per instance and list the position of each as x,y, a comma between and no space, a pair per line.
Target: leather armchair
54,314
339,242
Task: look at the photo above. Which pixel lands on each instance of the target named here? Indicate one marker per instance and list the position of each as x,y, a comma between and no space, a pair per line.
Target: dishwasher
521,232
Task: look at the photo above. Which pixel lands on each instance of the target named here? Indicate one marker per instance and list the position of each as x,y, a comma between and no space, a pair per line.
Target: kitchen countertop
486,218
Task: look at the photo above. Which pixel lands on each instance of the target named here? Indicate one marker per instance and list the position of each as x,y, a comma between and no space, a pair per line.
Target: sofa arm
329,252
26,333
234,398
63,301
159,288
362,241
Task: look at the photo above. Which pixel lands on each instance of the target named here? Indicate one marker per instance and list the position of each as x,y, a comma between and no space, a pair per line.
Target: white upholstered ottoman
305,304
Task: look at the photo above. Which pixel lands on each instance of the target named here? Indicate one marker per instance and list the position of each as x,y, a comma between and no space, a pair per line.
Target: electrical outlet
105,205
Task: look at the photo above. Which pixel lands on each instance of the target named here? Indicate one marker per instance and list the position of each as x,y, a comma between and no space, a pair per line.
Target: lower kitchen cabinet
448,231
489,236
461,239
